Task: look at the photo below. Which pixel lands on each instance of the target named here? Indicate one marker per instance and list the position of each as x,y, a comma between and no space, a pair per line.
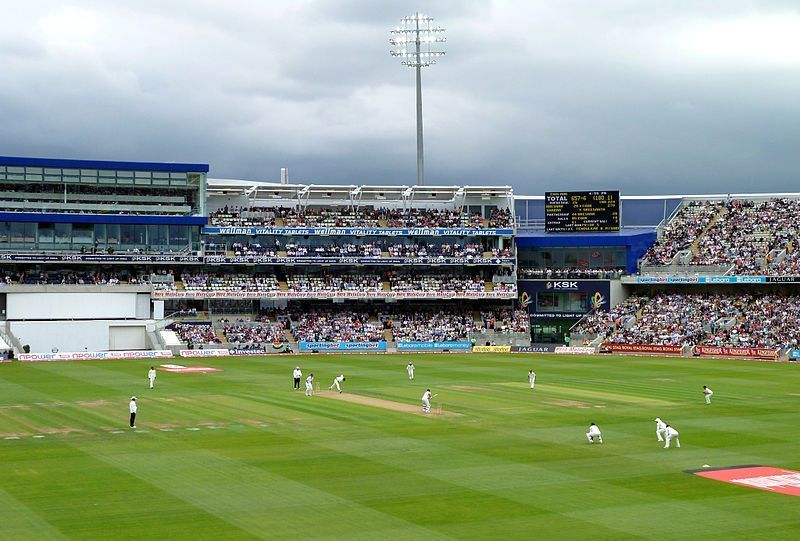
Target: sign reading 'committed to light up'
581,211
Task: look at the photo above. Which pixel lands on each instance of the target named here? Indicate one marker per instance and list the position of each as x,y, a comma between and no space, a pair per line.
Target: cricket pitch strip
385,404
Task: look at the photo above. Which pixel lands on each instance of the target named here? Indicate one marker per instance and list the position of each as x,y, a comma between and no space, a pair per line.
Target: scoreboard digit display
581,211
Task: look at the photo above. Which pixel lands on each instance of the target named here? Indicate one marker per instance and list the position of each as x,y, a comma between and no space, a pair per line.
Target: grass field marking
570,404
383,404
580,392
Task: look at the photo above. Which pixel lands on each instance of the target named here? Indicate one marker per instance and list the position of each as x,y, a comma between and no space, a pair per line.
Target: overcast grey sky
647,96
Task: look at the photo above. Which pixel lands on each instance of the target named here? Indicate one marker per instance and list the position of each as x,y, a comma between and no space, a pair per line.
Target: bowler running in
336,381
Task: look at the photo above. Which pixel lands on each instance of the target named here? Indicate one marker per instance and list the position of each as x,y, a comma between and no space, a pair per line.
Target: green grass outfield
239,455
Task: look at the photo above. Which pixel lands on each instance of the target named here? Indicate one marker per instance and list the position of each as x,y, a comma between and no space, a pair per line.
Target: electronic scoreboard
581,211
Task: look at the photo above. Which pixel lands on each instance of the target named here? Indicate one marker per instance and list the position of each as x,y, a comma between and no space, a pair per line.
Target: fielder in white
336,381
594,432
661,427
426,401
410,370
310,385
709,393
151,375
670,433
532,378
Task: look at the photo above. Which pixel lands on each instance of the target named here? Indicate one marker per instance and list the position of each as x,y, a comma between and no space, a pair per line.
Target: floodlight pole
420,56
420,151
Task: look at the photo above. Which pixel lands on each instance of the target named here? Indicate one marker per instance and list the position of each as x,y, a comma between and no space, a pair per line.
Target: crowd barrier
641,348
491,349
580,350
203,352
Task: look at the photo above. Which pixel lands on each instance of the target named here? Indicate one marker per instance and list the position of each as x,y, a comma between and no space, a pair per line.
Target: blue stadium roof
101,164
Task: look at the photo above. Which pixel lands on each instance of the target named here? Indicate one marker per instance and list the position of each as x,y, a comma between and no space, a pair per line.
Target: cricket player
336,381
310,385
297,374
132,407
532,378
151,375
426,401
410,370
593,433
660,429
709,393
670,433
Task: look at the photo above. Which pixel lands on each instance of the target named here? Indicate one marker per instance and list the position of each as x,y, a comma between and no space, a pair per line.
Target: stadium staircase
488,286
695,246
282,285
9,338
386,286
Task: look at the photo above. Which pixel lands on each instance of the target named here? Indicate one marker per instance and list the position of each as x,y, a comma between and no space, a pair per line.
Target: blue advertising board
342,346
794,354
433,346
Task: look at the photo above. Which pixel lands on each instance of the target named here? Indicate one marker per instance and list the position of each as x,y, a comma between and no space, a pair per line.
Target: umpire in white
132,407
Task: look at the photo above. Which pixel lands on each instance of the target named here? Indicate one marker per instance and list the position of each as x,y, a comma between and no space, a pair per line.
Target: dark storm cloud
681,96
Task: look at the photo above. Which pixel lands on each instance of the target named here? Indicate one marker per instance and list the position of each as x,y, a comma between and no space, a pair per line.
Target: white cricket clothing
132,406
410,370
708,392
660,429
426,401
309,385
336,381
151,375
594,432
297,373
532,379
669,435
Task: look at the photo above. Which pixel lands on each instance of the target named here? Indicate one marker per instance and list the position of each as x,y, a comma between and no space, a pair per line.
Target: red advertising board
761,353
642,348
761,477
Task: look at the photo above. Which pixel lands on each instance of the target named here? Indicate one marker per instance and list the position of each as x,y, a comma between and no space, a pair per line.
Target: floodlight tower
413,42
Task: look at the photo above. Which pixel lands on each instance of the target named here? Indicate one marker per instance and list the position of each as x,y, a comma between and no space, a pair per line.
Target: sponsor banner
761,353
761,477
187,369
356,231
794,354
574,349
783,279
333,295
433,346
342,346
274,348
712,279
641,348
542,297
100,258
204,352
346,260
535,348
491,349
94,355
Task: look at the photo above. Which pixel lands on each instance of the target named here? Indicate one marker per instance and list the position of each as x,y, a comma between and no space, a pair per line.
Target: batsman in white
660,429
426,401
532,378
670,433
594,432
151,375
336,381
709,393
410,370
310,385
